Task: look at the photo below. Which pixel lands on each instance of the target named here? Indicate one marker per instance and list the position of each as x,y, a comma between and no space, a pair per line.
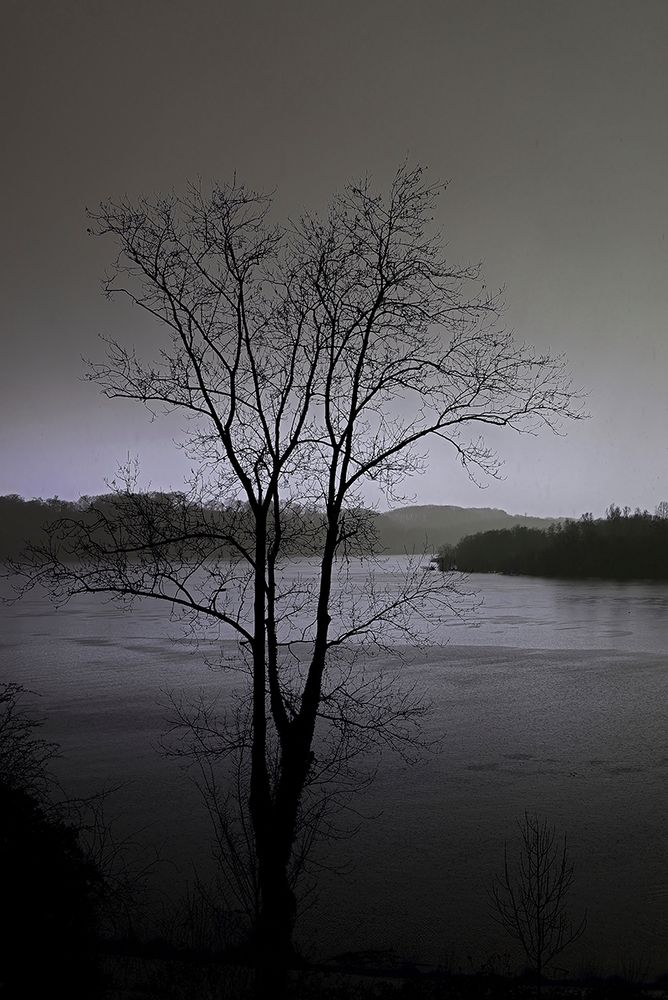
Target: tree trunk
274,948
273,838
275,815
275,835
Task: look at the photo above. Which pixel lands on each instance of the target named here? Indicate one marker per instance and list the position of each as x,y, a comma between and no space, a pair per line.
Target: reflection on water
553,698
557,614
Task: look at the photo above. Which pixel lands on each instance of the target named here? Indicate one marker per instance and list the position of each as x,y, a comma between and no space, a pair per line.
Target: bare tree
309,359
662,509
531,902
24,756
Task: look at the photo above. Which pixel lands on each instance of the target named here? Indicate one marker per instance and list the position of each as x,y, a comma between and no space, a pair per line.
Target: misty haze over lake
550,698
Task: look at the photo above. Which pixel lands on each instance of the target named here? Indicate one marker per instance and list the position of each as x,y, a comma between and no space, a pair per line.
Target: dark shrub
49,892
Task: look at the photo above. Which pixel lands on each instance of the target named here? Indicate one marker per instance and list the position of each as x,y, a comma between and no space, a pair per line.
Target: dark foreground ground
368,977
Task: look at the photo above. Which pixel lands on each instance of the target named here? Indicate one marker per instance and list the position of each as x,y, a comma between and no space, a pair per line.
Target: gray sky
548,118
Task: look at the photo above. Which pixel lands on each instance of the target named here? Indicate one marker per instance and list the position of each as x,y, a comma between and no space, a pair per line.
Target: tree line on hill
624,545
418,529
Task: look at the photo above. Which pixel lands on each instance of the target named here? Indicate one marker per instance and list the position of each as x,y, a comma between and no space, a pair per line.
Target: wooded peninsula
623,545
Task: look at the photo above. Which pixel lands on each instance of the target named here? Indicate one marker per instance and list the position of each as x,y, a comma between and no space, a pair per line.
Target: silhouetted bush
50,885
49,892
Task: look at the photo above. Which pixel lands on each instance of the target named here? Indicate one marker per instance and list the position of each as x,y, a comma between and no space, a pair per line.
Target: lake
551,697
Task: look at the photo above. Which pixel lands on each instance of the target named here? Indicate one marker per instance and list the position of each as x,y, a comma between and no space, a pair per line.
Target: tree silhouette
309,359
531,902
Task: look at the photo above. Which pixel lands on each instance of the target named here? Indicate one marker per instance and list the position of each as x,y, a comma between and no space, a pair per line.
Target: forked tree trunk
274,811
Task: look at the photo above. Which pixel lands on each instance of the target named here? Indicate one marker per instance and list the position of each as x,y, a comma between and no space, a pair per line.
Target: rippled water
553,697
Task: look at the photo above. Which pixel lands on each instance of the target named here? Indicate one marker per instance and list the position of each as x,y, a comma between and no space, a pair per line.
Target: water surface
552,697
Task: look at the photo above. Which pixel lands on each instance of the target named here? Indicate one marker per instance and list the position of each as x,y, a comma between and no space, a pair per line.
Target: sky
548,119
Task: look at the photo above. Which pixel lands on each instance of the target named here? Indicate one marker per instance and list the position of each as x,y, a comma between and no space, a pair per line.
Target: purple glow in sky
548,119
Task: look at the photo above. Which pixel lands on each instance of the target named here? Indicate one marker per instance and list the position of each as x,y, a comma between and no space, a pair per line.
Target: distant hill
426,528
409,529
